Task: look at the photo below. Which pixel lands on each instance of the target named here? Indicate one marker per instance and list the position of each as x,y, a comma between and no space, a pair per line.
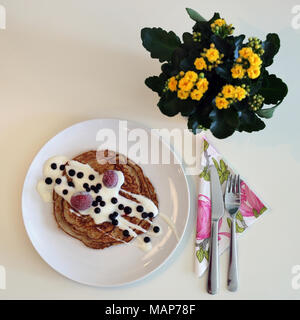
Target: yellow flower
200,64
185,84
222,103
196,94
182,94
255,60
246,52
191,75
238,71
202,85
172,84
212,55
228,91
220,22
240,93
253,72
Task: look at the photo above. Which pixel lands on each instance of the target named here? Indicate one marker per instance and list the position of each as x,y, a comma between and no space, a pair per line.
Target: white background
65,61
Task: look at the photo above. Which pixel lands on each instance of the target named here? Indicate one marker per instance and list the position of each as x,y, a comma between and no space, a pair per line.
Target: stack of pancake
82,227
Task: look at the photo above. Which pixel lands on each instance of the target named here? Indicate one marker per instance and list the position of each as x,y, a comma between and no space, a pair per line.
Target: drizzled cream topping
55,180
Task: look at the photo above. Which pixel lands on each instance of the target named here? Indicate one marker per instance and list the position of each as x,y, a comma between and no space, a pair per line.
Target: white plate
116,265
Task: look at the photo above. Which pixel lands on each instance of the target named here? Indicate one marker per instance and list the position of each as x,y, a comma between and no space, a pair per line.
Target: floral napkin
250,210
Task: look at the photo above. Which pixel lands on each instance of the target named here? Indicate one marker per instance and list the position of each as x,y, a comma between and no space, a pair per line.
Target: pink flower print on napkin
250,204
204,219
226,234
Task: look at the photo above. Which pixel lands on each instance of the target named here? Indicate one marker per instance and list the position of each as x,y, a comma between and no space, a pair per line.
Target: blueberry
127,210
70,184
115,222
65,191
71,173
87,189
150,214
80,175
121,207
48,180
147,239
139,209
99,186
53,166
62,167
94,203
91,177
144,215
58,181
97,210
114,200
156,229
126,233
86,185
113,215
98,198
102,203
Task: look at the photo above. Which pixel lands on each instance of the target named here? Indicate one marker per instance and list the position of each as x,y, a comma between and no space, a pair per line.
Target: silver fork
232,205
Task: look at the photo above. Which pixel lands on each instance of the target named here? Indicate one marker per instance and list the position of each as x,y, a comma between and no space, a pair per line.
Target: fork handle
213,271
233,267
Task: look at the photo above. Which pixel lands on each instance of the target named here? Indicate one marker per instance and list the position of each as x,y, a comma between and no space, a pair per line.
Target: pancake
104,235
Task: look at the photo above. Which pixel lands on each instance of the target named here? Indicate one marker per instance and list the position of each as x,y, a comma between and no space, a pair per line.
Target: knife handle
213,270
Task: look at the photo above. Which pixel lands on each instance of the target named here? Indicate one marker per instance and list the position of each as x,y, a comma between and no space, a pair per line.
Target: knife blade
217,211
217,204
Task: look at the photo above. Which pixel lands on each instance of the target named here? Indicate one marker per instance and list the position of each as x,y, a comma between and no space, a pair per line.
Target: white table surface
65,61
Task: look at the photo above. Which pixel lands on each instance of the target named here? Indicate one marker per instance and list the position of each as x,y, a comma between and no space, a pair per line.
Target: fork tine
228,185
233,183
238,185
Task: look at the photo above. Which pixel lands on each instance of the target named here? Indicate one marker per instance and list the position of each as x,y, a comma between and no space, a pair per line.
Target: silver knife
217,211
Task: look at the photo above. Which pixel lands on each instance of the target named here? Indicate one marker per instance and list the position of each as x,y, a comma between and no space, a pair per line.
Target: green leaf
194,15
177,56
160,43
207,176
156,84
266,113
239,229
206,254
271,46
238,43
206,145
255,213
228,222
273,89
223,165
169,107
186,107
262,210
239,216
223,45
193,123
219,127
215,17
200,254
249,122
216,163
224,71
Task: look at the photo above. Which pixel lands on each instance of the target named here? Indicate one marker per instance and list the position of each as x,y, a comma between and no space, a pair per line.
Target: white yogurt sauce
53,171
